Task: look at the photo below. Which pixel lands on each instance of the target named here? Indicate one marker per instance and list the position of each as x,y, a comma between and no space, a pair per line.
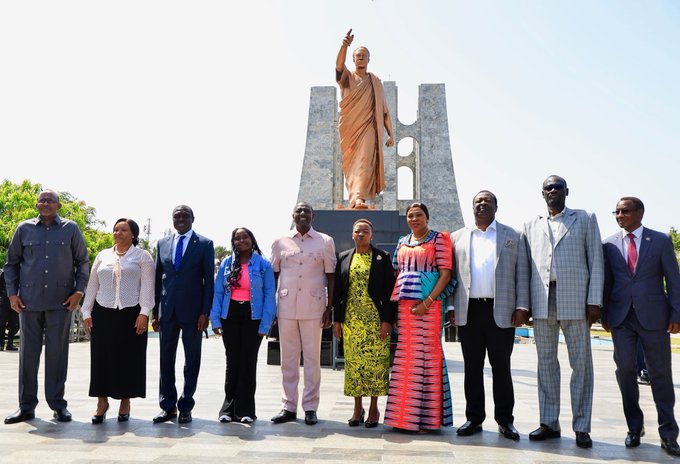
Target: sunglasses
623,211
550,187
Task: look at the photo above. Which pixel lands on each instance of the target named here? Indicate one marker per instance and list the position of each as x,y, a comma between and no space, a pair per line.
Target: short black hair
364,221
421,205
184,207
559,178
636,201
134,228
495,200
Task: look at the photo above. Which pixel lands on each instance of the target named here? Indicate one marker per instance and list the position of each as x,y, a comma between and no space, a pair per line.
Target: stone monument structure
430,162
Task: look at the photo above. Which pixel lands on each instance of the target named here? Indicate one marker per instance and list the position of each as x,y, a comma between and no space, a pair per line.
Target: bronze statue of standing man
363,114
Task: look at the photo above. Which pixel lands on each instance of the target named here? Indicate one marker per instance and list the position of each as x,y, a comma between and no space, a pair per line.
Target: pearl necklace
120,254
420,239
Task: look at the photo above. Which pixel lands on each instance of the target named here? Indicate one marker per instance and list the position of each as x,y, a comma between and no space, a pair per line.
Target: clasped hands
519,317
201,324
419,309
385,329
141,324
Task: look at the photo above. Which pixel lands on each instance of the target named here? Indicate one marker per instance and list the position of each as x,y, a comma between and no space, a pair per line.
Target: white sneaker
224,418
247,420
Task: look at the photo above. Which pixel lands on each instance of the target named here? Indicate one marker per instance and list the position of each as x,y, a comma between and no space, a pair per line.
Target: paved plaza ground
331,440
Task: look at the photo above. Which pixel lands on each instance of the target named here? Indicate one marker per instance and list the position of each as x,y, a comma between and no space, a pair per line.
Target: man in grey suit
46,273
566,282
638,308
492,298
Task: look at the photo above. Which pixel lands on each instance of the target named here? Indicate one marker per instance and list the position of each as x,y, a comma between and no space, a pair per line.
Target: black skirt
117,354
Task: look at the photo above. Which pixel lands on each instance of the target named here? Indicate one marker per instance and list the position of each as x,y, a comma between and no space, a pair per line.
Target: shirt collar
556,216
186,234
491,226
637,232
57,220
311,232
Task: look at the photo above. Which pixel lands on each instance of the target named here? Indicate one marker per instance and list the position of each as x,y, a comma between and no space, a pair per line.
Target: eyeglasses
622,211
47,200
550,187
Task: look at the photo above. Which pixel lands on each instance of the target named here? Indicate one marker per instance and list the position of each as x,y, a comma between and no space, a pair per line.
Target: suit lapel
166,249
193,244
617,241
567,221
464,242
645,245
500,243
544,226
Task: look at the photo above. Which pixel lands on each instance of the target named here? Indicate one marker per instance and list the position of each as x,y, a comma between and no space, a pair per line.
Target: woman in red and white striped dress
419,393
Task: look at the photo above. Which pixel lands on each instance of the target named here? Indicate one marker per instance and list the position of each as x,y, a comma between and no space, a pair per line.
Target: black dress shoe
468,428
583,440
310,418
284,416
62,415
671,446
98,419
19,416
643,377
165,416
633,438
543,433
508,431
356,422
184,417
12,348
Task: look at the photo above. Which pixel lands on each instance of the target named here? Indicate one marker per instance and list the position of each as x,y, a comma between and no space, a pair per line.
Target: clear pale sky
137,106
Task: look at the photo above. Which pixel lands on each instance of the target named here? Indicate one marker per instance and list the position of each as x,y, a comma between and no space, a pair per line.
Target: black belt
240,302
482,300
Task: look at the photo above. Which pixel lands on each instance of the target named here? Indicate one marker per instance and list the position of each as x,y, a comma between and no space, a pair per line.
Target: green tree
17,203
675,236
221,252
145,244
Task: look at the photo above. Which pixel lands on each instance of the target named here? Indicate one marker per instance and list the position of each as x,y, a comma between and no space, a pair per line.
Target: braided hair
235,269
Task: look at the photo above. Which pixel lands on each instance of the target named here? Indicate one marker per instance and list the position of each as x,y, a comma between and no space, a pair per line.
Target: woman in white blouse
119,296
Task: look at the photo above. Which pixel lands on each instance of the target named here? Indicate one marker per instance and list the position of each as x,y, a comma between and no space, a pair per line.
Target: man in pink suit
304,266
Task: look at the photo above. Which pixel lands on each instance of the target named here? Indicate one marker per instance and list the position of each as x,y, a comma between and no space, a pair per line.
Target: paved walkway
331,440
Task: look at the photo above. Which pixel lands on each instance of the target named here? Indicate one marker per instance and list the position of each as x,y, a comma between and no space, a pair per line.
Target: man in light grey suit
492,298
566,281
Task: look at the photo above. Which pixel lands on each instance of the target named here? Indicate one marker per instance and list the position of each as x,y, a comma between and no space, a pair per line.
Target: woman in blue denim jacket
244,307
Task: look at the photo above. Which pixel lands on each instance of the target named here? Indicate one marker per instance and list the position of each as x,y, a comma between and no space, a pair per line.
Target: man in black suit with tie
638,307
185,264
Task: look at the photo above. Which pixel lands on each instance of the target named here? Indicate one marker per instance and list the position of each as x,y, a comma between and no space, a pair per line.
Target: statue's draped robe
363,110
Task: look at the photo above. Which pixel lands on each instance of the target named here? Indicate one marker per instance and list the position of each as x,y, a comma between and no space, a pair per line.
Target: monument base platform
388,226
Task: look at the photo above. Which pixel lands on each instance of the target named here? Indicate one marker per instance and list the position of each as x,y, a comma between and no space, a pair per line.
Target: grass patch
675,341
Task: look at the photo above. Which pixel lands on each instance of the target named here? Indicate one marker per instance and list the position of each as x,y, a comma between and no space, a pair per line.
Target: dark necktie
179,251
632,253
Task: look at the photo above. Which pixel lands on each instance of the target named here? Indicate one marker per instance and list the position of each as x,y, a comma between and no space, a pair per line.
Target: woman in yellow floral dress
363,316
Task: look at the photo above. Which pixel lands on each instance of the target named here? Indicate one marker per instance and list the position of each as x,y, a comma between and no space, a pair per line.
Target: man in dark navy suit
184,290
637,307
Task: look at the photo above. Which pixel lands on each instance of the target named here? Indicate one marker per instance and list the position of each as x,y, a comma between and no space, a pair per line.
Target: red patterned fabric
419,394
